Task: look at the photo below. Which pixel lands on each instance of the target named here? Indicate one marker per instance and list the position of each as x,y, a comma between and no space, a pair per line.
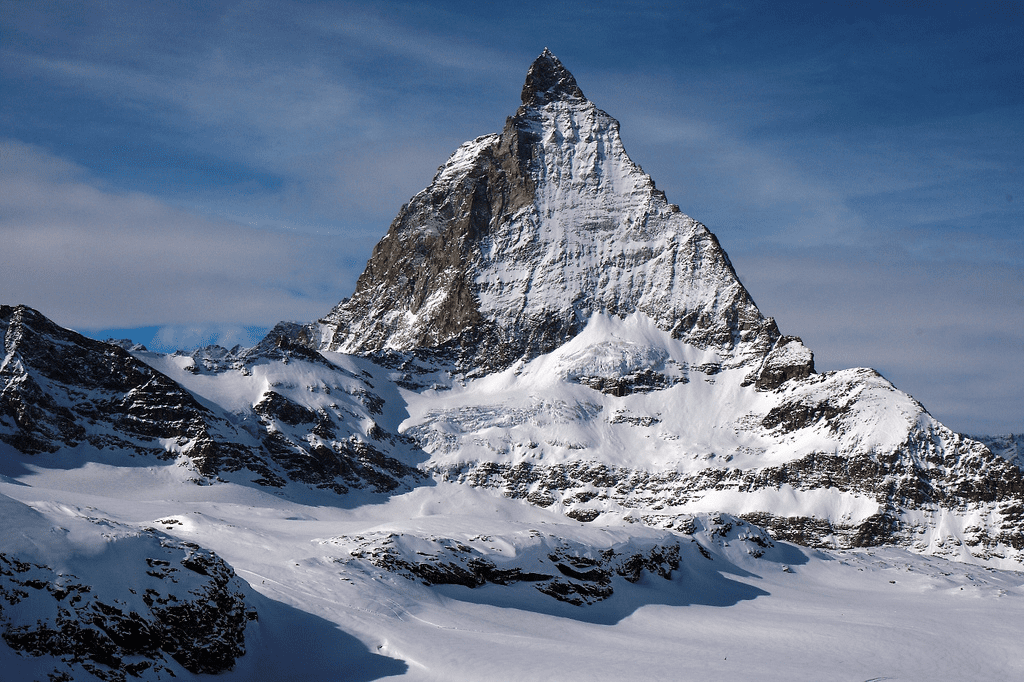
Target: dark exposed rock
793,416
346,463
804,530
55,382
547,80
643,381
199,623
275,406
59,389
568,572
576,593
919,476
788,359
582,514
634,420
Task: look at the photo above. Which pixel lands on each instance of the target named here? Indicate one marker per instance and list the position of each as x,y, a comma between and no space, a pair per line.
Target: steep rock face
524,235
61,392
55,383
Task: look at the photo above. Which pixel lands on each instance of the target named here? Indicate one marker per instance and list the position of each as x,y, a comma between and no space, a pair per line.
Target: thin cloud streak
374,32
94,258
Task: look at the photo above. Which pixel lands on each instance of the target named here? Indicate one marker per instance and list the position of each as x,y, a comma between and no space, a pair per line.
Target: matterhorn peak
525,235
547,81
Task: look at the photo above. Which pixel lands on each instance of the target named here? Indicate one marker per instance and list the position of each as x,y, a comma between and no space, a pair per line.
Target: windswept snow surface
705,414
325,614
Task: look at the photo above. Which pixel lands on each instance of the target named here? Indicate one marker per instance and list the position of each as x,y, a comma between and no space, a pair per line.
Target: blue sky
186,172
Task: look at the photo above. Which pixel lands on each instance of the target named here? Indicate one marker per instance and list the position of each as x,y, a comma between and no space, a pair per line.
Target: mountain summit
601,358
524,235
547,81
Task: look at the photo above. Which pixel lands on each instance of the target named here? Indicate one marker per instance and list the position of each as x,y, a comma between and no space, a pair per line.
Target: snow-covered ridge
1008,446
274,414
626,422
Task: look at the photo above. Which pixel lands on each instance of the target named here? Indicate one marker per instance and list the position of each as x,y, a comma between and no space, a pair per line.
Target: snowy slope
832,460
221,415
330,604
449,581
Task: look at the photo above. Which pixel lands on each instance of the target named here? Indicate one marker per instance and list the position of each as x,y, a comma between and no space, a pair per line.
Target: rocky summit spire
547,81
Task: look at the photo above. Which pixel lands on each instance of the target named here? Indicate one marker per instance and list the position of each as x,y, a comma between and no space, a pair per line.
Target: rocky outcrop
566,571
788,359
180,603
55,383
581,572
910,488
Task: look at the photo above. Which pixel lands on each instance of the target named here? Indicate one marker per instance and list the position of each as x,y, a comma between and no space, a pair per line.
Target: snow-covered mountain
598,353
1008,446
223,412
525,235
550,413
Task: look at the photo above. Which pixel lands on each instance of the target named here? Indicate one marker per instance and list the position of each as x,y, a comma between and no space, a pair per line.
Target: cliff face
524,235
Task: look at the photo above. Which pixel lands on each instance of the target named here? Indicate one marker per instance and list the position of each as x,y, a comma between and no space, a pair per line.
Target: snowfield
743,611
454,576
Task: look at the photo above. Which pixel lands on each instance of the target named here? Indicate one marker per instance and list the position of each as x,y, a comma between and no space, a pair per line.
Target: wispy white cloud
93,257
379,31
275,103
345,150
